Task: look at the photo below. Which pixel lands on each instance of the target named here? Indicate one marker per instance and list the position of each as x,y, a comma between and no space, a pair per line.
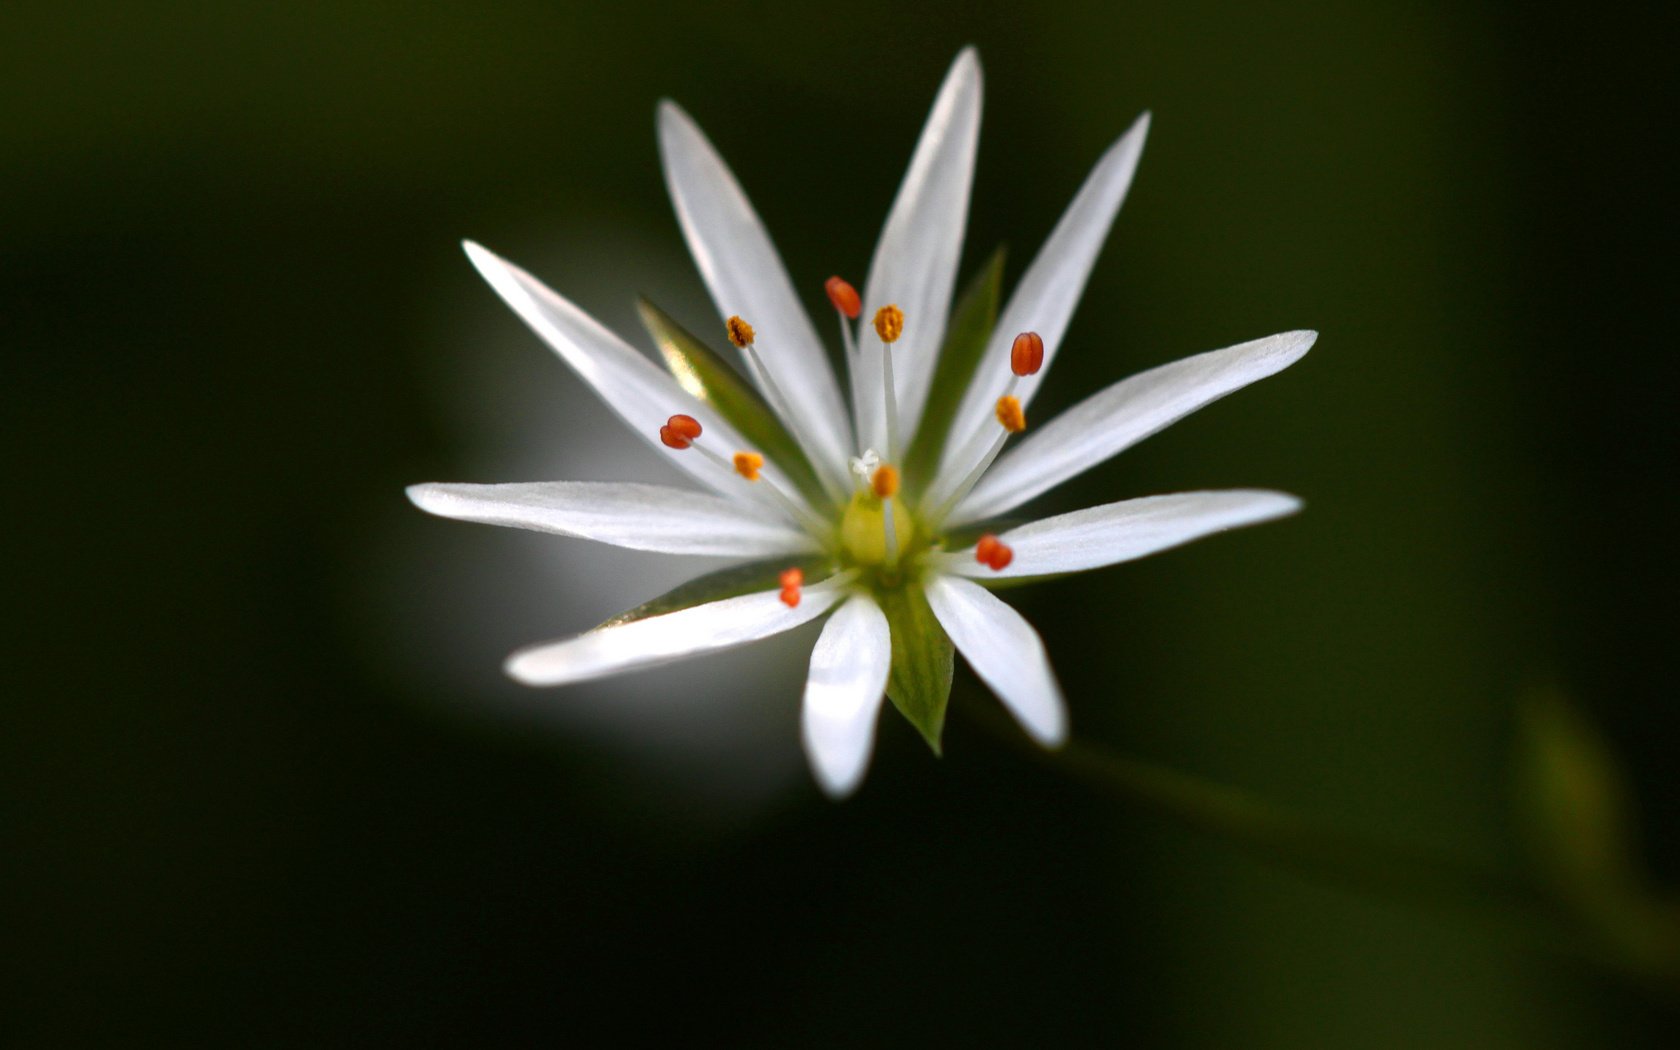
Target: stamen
1026,356
740,332
683,432
679,431
1010,414
889,325
742,335
847,306
843,296
884,483
1013,419
748,464
792,580
992,553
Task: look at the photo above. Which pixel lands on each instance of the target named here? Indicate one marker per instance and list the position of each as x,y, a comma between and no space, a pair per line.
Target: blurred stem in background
1587,893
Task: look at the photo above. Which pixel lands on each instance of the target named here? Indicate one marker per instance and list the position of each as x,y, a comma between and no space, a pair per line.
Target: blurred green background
267,785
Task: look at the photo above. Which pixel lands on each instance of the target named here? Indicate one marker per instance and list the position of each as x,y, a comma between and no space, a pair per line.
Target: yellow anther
884,482
740,332
889,323
1011,415
748,464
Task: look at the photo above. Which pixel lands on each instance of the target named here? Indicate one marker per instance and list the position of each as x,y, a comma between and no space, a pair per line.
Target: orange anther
740,332
748,464
1011,415
1026,356
889,323
792,579
843,296
992,553
679,431
884,482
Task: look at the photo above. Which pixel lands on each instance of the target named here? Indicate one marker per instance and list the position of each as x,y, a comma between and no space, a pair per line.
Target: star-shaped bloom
876,518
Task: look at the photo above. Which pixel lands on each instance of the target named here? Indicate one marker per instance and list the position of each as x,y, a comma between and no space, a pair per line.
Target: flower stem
1305,846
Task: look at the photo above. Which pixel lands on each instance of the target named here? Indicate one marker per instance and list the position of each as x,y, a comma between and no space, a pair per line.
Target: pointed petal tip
488,264
967,62
837,784
521,666
1052,737
671,119
423,495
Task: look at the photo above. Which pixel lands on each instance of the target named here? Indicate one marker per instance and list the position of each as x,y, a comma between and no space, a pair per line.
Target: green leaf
965,341
1574,799
732,582
919,684
713,380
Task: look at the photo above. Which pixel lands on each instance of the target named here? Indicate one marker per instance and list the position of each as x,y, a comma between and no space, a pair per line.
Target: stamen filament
892,401
742,335
892,533
971,479
800,513
889,325
884,483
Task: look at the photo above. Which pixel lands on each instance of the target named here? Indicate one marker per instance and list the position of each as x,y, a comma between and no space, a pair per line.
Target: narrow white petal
843,694
1120,416
641,517
1117,532
662,639
745,276
642,394
1044,300
915,264
1004,651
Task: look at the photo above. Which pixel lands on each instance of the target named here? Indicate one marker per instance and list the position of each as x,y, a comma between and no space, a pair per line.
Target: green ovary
863,534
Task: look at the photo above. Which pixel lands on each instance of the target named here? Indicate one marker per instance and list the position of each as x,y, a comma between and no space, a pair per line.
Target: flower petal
661,639
745,276
915,263
1117,532
1120,416
843,694
642,394
1004,651
641,517
1044,300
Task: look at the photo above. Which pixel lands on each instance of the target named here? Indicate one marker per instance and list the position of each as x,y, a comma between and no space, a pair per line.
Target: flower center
863,530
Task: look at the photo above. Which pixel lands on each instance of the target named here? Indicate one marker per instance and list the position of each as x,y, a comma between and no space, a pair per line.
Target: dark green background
256,795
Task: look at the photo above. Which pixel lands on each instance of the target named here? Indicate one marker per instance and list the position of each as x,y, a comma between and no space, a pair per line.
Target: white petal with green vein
745,276
642,393
1114,419
673,636
1004,651
915,262
641,517
1044,300
843,694
1117,532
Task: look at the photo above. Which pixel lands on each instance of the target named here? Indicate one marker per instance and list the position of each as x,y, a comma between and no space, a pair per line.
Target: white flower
875,518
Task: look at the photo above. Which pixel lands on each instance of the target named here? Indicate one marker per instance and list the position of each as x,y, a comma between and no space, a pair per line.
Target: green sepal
736,580
919,684
965,342
709,378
